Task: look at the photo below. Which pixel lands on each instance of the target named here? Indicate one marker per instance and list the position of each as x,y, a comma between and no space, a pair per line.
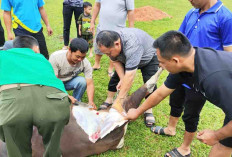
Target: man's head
26,41
78,49
172,50
87,7
109,43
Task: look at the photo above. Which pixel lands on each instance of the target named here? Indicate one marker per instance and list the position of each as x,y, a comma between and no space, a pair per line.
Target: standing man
129,49
70,7
116,10
26,20
208,25
68,64
30,94
2,37
206,71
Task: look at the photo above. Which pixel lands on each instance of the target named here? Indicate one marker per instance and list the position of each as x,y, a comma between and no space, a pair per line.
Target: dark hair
107,38
171,43
79,44
25,41
87,4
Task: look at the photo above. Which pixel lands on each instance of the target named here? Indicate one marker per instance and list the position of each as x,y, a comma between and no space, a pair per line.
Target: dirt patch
148,13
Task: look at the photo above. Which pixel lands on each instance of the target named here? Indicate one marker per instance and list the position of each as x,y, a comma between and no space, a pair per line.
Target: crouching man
30,94
68,64
206,71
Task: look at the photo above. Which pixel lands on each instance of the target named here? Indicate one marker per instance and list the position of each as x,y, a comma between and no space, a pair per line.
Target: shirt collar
215,8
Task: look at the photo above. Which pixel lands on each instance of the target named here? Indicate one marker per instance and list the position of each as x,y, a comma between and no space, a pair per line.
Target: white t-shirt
65,71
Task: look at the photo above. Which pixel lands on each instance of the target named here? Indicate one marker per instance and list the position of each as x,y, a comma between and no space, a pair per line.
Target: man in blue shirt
209,24
26,20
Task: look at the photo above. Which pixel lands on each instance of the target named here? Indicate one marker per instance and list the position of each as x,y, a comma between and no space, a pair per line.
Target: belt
8,86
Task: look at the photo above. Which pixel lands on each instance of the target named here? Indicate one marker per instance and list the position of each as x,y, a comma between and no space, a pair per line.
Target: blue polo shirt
212,28
25,13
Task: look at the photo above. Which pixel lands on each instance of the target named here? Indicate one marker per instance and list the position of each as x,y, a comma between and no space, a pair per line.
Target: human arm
131,18
96,10
154,99
217,89
8,23
80,29
228,48
45,19
226,36
90,92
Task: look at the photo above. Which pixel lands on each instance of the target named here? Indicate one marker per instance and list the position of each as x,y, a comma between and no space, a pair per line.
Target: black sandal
176,153
149,122
104,106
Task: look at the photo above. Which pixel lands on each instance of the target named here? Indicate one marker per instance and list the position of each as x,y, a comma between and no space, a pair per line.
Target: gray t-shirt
74,3
65,71
137,48
113,14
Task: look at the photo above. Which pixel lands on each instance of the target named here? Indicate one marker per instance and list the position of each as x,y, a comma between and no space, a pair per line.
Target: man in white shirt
68,64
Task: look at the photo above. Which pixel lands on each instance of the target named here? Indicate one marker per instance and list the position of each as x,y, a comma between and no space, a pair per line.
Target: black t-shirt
212,77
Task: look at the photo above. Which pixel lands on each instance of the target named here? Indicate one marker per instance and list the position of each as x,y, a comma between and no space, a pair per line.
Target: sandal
110,74
96,69
158,130
104,106
176,153
149,122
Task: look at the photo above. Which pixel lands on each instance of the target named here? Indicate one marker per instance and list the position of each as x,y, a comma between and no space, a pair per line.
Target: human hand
208,137
10,36
49,30
93,105
132,114
72,99
119,85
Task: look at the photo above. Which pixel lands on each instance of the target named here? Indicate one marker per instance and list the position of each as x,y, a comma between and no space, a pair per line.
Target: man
68,64
2,37
30,94
26,20
116,10
208,25
206,71
70,7
129,49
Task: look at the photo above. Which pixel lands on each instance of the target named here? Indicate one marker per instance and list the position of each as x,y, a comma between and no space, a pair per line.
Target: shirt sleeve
6,5
40,3
183,26
133,51
80,20
225,31
88,70
130,4
54,64
173,81
217,88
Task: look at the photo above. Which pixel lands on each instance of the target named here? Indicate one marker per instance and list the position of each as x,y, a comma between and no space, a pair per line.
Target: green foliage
139,141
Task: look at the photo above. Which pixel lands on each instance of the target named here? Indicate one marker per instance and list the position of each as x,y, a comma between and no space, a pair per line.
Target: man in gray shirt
113,15
129,49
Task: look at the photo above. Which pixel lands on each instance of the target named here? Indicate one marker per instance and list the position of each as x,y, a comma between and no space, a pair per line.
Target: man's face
112,52
77,56
171,65
198,3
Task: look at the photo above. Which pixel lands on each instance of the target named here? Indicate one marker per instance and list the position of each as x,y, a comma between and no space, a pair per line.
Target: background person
26,20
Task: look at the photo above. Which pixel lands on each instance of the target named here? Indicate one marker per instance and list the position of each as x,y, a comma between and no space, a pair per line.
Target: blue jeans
78,85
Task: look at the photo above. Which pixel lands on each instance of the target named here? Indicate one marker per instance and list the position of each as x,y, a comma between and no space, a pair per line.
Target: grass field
139,140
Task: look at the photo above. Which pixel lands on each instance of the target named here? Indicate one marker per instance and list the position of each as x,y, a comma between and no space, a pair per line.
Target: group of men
196,75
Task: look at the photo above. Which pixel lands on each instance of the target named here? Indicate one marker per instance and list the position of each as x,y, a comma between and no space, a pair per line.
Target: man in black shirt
201,70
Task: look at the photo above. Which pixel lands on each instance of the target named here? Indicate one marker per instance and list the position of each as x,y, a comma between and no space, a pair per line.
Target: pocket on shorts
59,96
5,109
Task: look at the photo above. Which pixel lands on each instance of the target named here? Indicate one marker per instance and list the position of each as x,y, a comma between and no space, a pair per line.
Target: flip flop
104,106
158,130
176,153
148,122
110,74
96,68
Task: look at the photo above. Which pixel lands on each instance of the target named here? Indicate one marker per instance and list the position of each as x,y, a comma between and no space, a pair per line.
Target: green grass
139,141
